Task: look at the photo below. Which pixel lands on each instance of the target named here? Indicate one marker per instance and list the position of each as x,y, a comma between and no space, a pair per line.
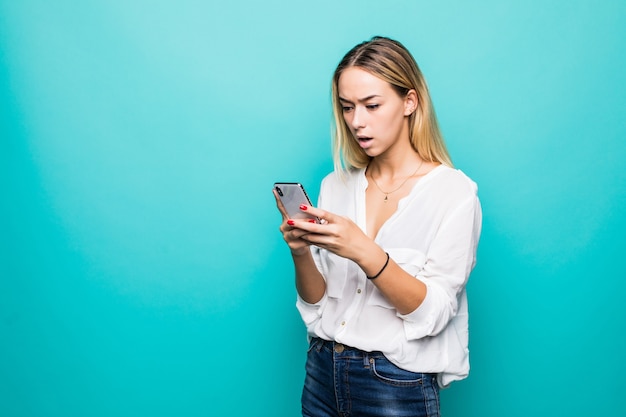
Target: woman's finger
280,206
323,215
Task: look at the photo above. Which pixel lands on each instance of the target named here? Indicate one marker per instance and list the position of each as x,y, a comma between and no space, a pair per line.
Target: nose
358,118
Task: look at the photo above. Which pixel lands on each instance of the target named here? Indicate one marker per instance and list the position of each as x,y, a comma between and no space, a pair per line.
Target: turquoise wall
141,269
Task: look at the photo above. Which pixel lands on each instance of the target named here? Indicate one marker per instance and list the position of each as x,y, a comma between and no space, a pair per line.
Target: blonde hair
392,62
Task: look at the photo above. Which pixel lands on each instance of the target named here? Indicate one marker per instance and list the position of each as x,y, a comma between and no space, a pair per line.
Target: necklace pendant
385,200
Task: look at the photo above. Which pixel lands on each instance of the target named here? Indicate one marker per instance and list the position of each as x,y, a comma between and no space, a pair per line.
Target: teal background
141,269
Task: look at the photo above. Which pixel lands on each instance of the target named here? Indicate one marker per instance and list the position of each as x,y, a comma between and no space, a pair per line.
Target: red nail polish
302,207
290,222
311,221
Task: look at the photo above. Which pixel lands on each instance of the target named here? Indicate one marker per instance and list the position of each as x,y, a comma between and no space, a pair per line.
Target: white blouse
433,236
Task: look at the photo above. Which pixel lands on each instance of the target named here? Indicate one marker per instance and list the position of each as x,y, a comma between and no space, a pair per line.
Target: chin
371,153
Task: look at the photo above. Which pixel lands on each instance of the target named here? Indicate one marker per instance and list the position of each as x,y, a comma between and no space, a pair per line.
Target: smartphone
292,195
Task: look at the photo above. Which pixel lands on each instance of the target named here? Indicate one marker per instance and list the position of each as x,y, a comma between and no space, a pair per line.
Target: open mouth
364,141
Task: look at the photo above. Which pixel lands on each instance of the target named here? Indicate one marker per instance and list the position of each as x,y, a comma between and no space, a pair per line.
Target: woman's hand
337,234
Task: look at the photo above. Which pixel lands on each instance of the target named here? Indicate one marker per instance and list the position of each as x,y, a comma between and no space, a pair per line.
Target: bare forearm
309,282
402,290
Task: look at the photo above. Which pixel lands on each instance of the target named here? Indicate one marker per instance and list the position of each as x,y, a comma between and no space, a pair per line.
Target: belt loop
316,344
366,360
319,344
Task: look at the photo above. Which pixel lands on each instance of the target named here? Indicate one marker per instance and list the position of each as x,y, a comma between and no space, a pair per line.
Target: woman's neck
397,165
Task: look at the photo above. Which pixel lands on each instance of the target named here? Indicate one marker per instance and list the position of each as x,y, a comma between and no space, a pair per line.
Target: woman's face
376,115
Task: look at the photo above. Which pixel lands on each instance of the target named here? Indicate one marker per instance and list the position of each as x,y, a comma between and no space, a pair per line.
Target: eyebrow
360,100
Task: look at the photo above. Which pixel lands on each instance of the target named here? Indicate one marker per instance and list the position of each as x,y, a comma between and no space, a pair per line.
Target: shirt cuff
421,322
310,312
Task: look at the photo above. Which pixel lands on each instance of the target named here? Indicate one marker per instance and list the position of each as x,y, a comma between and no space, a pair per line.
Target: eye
372,106
346,108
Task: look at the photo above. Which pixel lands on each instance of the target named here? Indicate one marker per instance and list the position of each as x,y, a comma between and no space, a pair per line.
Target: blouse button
358,291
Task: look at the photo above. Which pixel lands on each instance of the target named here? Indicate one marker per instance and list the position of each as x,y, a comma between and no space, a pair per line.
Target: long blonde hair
392,62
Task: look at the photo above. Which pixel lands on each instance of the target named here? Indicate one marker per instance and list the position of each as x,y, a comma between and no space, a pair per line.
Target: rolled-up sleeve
450,259
310,313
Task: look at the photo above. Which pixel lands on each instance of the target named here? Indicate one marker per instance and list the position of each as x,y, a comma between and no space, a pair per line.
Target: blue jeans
343,382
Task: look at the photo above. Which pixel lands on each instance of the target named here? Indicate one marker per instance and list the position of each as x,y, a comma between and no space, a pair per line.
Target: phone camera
279,191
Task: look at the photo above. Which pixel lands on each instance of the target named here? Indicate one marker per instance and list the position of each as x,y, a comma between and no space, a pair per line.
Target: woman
381,281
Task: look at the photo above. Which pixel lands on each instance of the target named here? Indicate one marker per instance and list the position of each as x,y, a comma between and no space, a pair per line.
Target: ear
410,102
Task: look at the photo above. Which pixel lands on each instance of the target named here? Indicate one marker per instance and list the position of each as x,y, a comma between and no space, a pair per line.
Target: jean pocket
387,372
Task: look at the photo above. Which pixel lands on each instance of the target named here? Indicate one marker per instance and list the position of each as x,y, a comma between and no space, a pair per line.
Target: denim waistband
318,343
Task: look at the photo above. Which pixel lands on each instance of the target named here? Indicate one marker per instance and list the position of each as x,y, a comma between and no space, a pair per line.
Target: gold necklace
403,182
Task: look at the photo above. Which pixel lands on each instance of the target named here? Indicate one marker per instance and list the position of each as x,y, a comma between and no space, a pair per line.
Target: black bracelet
383,268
